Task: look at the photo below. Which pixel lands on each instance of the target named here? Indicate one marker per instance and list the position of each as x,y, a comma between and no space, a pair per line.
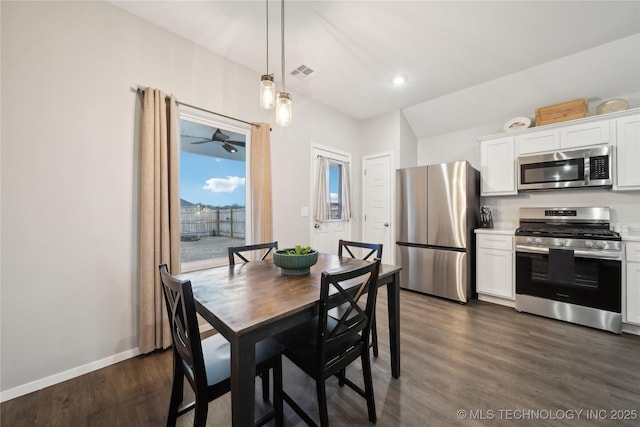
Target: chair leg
341,375
202,408
374,335
265,385
322,403
277,393
368,386
177,391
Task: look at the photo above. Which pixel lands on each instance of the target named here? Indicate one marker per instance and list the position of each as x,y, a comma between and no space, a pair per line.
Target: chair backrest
346,246
342,340
238,251
187,345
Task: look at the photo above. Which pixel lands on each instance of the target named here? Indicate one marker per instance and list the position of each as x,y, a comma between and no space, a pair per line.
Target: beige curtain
346,191
159,214
323,203
261,204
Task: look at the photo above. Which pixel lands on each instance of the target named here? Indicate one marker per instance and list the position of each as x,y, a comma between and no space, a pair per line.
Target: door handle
316,225
386,224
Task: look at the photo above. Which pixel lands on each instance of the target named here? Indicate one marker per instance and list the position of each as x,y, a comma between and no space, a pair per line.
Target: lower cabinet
494,268
633,283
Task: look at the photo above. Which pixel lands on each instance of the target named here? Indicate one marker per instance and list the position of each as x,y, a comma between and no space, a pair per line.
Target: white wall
581,75
70,142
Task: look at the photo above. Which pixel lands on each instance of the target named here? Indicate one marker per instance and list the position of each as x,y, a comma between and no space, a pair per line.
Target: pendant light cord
267,2
282,47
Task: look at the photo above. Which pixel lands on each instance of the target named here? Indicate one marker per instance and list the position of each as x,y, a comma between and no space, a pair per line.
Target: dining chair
206,362
368,249
239,251
323,347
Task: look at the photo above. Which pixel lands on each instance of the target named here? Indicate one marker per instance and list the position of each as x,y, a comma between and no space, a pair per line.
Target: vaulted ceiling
355,48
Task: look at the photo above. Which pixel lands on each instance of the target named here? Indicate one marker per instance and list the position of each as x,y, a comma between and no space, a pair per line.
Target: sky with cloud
211,181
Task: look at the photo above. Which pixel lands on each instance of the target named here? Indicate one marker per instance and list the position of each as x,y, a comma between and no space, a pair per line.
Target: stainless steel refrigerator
437,211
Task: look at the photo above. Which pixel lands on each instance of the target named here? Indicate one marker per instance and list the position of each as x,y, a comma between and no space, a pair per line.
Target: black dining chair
239,251
323,346
368,249
206,362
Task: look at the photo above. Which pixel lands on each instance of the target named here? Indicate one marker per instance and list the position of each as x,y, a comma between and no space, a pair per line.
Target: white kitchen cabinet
497,164
628,153
539,141
633,283
494,267
587,134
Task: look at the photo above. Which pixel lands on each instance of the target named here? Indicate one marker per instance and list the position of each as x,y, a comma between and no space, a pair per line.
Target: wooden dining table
249,302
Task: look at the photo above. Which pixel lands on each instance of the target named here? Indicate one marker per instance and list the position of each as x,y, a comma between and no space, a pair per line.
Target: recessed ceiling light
399,80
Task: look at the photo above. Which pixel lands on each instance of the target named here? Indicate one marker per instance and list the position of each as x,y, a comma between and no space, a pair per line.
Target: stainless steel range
568,266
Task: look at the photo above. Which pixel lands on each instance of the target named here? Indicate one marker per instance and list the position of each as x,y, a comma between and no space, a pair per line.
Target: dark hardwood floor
468,365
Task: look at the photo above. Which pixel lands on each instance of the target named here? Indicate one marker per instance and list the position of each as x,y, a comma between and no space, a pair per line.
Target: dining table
249,302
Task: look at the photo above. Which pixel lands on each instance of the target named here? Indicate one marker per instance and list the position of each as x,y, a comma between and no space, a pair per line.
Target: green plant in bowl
295,261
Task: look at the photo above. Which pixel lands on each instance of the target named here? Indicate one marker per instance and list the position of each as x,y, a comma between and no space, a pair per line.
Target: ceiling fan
227,144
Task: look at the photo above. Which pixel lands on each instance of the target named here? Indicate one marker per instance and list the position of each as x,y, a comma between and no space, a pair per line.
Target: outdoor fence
223,222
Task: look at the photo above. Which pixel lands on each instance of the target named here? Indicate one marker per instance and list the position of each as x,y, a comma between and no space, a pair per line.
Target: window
335,189
213,191
333,199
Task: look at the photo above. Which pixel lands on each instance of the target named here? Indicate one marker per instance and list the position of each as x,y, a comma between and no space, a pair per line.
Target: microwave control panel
599,166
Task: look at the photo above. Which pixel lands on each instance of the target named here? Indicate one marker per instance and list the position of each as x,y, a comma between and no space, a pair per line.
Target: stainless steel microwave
591,167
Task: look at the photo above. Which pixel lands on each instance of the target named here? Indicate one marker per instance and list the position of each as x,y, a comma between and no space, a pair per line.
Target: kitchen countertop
507,231
630,237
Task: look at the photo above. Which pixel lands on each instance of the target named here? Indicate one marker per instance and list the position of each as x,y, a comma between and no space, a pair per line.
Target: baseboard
66,375
497,300
630,329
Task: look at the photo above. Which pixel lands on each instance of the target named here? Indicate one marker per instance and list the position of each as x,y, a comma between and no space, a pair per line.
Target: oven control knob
529,240
564,242
601,245
588,243
538,241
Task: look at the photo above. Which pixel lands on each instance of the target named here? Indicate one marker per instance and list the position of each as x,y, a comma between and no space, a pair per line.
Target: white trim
36,385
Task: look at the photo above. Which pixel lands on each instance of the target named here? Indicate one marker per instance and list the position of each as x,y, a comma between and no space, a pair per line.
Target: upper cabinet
628,153
536,142
587,134
498,170
499,153
566,137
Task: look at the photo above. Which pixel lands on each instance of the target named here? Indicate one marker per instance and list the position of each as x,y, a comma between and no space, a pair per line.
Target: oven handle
578,253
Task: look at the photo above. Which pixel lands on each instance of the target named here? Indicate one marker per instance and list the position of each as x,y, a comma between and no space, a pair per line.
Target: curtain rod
206,111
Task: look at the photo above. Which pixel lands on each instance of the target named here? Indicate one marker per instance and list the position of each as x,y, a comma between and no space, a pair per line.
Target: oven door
589,282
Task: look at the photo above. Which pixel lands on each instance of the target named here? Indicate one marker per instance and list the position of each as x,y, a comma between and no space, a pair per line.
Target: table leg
243,377
393,303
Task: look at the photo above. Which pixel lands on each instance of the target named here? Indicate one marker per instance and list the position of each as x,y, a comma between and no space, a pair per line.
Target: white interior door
325,234
377,215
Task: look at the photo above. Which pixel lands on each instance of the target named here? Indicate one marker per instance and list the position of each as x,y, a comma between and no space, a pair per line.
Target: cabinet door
628,153
538,141
497,158
633,293
494,273
586,134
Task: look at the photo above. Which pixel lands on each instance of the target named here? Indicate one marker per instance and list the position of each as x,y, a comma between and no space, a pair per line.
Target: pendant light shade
283,100
283,109
267,92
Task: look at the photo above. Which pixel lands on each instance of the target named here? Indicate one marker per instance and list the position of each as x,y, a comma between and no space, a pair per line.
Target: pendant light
283,100
267,86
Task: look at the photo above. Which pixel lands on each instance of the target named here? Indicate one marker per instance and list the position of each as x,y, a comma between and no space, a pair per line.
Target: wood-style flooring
468,365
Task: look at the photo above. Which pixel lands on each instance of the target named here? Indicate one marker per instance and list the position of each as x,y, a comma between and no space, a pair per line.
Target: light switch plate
304,211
